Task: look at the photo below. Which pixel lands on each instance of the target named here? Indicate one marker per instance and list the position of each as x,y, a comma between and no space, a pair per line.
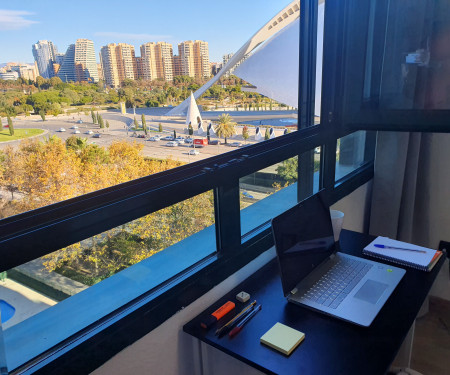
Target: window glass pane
102,273
272,190
319,60
350,153
412,69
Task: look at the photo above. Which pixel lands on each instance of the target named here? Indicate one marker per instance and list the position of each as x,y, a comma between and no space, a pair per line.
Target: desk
331,346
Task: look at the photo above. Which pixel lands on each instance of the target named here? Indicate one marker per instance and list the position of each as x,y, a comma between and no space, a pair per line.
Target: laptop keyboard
338,282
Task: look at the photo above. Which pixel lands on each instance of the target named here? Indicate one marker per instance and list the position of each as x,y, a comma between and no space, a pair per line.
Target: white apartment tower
85,61
44,52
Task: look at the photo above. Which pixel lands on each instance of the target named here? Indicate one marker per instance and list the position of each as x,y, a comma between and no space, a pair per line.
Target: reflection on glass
414,65
68,271
272,190
350,153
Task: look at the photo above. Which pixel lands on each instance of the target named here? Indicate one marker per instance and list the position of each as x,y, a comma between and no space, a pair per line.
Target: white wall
168,350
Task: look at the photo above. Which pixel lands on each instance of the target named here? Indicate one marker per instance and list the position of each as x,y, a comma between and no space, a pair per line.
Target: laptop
315,275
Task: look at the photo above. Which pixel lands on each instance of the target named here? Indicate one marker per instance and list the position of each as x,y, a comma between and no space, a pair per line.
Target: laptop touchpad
371,291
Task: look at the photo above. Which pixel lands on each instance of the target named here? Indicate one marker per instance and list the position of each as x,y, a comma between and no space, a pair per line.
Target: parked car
167,138
188,140
214,142
96,135
197,146
194,152
89,132
154,139
76,132
74,127
141,136
236,144
79,121
171,144
62,130
179,139
200,141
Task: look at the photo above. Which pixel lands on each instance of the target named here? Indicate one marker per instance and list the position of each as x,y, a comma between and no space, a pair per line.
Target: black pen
239,327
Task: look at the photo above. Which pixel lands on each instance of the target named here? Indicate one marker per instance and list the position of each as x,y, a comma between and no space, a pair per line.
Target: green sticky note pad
282,338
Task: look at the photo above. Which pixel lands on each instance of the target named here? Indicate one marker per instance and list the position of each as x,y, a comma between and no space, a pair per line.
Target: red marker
216,315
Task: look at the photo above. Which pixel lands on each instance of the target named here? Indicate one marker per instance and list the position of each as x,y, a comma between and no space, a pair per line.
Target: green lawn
18,134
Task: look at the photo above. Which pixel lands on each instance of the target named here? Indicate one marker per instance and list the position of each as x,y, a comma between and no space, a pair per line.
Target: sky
225,25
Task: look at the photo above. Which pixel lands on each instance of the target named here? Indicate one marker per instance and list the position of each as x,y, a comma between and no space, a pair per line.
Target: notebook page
421,259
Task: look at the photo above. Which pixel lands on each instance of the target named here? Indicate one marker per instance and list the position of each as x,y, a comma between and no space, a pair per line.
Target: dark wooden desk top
331,346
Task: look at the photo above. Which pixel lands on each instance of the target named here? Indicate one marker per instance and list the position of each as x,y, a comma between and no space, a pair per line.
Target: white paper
421,259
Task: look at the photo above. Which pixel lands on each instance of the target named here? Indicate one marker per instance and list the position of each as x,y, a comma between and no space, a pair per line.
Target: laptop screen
303,239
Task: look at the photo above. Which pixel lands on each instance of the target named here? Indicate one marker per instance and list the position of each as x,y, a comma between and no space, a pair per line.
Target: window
218,208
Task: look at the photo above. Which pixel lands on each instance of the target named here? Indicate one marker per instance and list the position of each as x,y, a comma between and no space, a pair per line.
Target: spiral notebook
424,260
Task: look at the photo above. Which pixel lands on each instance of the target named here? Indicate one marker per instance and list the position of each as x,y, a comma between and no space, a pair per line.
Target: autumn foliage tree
39,173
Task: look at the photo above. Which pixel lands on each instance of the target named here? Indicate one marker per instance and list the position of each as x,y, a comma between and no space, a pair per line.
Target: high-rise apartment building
164,61
126,61
227,57
118,62
140,67
201,59
79,62
194,56
108,60
85,61
149,57
67,69
44,52
177,70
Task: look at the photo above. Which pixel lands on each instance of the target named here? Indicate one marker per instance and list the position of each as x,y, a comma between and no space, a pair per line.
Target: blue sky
225,25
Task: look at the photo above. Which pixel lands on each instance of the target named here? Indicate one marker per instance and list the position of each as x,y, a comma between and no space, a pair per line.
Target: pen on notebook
380,246
235,319
241,324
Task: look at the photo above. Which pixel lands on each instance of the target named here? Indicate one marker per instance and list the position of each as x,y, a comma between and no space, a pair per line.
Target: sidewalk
26,301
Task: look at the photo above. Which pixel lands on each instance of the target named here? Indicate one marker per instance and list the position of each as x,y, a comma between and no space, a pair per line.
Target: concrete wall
168,350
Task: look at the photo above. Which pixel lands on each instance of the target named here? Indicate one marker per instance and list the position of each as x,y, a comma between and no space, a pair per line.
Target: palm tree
225,127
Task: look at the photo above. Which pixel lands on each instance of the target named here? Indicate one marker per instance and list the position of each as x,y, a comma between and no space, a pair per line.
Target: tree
245,133
76,143
42,114
160,128
267,134
11,126
1,125
94,119
100,121
225,126
174,134
288,170
190,129
107,124
136,125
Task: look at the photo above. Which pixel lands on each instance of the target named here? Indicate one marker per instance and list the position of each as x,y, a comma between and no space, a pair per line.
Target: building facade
194,58
118,62
149,57
79,63
44,52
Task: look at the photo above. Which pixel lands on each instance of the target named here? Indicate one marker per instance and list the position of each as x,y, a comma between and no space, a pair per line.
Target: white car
194,152
154,139
76,132
62,130
89,132
171,144
74,127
